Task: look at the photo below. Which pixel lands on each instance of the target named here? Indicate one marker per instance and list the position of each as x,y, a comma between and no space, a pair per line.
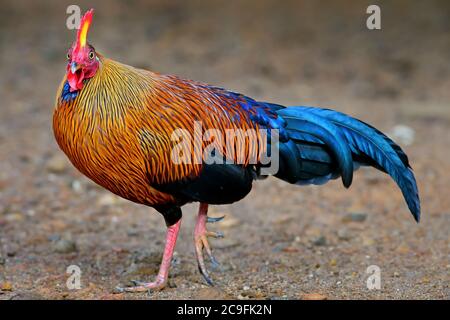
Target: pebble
57,164
77,186
319,241
107,200
283,219
11,250
344,234
14,217
6,286
210,294
64,246
314,296
132,232
54,237
403,134
355,217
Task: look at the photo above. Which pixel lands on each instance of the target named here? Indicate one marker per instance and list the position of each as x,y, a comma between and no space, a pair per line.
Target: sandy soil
282,241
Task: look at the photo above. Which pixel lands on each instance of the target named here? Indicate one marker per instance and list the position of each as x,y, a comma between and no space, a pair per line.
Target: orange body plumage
117,131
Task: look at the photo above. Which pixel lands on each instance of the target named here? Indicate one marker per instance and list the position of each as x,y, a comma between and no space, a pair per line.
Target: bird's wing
167,138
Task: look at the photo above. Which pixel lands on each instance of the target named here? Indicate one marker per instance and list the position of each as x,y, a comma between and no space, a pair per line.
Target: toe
216,235
213,220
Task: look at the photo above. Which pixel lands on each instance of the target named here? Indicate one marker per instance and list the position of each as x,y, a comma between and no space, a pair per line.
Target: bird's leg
163,274
201,240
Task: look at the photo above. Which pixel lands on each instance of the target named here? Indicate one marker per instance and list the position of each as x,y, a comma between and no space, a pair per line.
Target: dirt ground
282,241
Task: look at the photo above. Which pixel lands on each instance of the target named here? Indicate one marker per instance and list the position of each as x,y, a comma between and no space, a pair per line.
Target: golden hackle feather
117,131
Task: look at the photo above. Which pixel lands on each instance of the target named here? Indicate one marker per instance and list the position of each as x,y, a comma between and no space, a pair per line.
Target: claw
214,263
213,220
136,282
205,275
202,246
217,235
141,287
118,290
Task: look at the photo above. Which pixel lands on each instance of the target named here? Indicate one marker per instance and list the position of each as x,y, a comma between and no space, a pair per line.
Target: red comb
84,28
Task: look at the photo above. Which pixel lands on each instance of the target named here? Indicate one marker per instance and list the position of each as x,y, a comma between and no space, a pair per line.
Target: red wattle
75,80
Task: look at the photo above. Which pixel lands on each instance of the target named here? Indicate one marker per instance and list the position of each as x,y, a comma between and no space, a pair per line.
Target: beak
74,67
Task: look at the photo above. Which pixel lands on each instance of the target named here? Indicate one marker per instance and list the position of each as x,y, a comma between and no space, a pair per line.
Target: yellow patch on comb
84,28
83,33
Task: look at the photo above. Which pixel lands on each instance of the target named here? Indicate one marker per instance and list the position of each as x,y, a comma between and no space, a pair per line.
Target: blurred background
282,241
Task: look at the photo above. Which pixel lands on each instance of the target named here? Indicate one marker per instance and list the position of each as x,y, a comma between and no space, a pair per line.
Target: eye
68,56
91,55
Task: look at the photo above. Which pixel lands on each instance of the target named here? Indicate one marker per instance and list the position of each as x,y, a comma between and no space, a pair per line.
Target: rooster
115,123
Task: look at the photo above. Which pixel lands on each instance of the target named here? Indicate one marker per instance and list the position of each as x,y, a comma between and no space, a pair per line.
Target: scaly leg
201,240
163,274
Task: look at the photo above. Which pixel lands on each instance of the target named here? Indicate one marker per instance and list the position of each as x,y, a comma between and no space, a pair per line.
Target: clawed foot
163,274
201,235
143,286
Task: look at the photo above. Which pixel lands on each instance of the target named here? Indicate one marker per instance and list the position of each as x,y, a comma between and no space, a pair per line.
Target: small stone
333,262
319,241
396,274
107,200
14,217
11,250
425,280
77,186
403,249
64,246
57,164
6,286
344,235
283,219
54,237
402,134
313,296
290,249
245,288
355,217
368,242
132,232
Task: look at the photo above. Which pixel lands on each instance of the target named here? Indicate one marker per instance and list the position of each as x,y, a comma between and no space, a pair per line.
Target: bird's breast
105,148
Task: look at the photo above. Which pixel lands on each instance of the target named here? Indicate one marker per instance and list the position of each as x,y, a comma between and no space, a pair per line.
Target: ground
282,241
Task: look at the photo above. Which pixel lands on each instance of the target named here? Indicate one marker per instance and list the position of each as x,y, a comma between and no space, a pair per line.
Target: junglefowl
115,123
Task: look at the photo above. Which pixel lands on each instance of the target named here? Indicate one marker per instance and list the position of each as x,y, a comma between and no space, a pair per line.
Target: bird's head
83,61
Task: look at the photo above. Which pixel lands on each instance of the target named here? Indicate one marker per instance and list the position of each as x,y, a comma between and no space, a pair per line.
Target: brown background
282,241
